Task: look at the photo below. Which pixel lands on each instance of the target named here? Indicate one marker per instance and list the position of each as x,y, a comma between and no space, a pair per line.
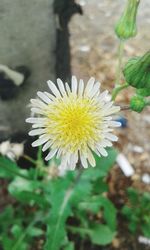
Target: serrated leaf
8,168
27,191
109,212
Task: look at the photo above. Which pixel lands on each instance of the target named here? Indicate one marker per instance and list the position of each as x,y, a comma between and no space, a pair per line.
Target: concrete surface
27,37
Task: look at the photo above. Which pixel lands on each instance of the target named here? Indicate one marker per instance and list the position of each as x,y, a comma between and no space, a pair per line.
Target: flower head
73,122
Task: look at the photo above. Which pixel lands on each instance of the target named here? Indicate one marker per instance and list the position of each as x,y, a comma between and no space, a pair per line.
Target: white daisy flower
73,122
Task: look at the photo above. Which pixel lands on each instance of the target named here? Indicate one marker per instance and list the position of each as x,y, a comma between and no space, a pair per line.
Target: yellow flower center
73,121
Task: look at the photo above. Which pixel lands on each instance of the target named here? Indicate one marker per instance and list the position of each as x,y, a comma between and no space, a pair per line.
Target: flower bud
137,103
137,71
126,26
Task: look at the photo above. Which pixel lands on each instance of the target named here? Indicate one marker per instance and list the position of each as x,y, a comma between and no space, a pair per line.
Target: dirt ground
94,53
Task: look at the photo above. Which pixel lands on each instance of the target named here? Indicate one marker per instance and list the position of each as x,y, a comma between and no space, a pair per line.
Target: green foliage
137,212
44,207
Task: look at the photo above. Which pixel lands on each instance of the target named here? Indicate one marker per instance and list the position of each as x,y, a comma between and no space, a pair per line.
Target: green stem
29,159
39,163
79,229
119,67
117,89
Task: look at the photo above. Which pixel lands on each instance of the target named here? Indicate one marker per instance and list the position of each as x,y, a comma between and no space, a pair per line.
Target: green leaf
133,195
6,243
27,191
16,230
146,229
61,193
8,168
109,212
103,165
101,235
6,217
35,232
70,246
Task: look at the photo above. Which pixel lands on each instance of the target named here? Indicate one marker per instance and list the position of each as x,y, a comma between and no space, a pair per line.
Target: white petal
40,141
112,110
36,132
107,106
47,145
67,88
61,87
73,161
38,103
59,153
54,89
43,97
91,158
107,118
39,125
103,95
106,143
102,151
84,161
50,96
89,85
37,111
95,89
51,154
74,85
97,152
35,120
114,124
81,88
65,160
111,137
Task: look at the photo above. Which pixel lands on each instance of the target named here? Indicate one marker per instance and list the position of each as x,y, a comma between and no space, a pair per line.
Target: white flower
73,122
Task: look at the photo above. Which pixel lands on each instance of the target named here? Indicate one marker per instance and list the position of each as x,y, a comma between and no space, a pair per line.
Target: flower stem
119,67
117,89
28,158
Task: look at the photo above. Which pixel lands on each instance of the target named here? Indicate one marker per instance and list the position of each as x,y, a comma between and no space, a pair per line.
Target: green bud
137,71
137,103
143,92
126,26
